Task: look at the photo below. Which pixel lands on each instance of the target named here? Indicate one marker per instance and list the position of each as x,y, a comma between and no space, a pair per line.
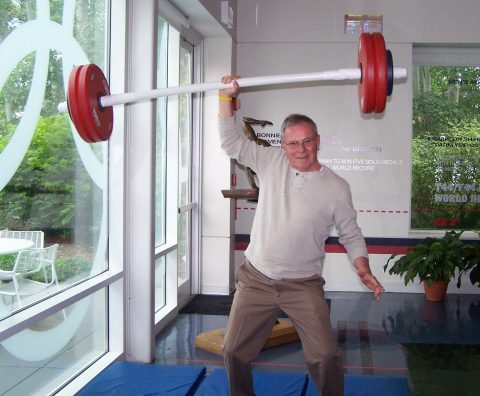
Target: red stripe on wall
379,249
337,248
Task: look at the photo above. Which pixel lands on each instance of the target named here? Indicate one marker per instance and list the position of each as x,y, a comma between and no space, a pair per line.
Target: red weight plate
380,56
366,63
91,86
106,112
72,103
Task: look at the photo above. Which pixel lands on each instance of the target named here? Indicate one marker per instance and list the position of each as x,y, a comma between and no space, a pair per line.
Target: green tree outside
51,189
446,143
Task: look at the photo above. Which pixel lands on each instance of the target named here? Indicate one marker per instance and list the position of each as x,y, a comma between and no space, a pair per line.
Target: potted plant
435,261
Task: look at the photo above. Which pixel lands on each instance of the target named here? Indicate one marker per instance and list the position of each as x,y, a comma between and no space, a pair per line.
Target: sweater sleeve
237,146
350,234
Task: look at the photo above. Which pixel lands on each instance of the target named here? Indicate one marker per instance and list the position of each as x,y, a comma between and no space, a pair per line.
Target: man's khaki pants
256,305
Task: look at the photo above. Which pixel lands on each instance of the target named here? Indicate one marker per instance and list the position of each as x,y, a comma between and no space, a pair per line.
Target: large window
446,141
166,167
175,205
185,167
53,196
161,135
67,340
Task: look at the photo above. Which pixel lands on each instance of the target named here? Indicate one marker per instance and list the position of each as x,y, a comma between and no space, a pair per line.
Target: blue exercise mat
123,378
368,385
265,384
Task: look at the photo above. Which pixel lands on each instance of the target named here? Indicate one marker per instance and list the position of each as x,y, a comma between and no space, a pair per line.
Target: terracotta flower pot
436,291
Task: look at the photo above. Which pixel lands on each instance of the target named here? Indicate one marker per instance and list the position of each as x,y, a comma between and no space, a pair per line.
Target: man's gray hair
294,119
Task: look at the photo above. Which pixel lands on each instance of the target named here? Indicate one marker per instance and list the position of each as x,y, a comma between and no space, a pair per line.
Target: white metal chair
35,236
29,262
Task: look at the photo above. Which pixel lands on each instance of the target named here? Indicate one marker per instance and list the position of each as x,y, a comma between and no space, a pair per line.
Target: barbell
89,102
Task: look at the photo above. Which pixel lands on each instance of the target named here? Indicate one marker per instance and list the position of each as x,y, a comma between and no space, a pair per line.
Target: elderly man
300,201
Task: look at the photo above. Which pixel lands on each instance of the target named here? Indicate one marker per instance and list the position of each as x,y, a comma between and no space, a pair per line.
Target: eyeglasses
295,144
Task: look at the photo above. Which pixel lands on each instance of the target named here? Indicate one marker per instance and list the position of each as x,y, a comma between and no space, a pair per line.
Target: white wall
283,36
217,212
310,21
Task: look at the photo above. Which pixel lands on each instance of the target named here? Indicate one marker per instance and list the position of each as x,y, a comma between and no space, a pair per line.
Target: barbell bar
89,102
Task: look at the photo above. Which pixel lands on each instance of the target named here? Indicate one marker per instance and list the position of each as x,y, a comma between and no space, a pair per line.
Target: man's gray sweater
296,211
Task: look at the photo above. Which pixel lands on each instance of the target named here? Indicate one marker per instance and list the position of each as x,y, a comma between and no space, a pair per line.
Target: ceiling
200,19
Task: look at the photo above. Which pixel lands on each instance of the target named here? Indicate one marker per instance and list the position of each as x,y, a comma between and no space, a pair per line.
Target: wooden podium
282,333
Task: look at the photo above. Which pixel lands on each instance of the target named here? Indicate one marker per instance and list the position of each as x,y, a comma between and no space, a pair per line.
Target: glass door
186,205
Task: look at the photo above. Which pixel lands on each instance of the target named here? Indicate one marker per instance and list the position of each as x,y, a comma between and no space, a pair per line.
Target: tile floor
436,346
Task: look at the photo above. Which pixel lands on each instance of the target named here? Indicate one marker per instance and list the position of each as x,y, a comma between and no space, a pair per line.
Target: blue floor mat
135,379
123,378
368,385
265,384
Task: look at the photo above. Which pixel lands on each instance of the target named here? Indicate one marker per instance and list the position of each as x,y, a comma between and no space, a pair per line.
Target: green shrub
67,269
7,261
74,267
